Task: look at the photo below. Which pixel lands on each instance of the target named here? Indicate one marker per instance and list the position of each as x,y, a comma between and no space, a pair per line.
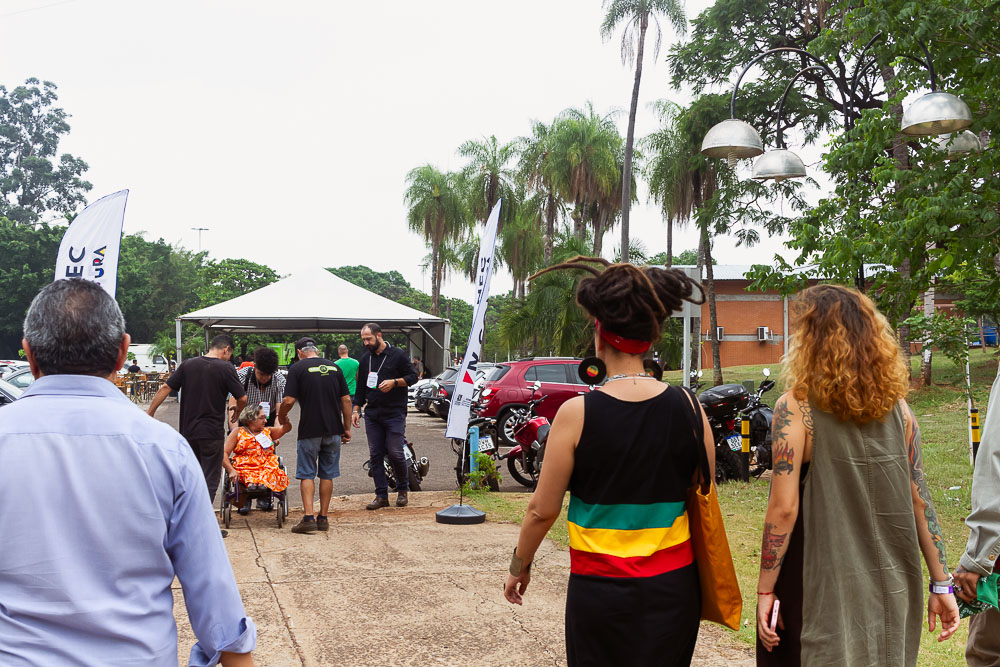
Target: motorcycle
524,460
726,406
488,444
416,469
760,416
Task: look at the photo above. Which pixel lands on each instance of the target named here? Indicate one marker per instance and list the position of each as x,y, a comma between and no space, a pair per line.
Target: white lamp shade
732,139
936,113
958,143
778,165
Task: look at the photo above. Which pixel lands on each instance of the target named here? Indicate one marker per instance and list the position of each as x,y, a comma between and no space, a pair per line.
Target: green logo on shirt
323,369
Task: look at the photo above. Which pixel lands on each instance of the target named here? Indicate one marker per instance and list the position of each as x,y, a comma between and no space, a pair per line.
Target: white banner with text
461,400
90,246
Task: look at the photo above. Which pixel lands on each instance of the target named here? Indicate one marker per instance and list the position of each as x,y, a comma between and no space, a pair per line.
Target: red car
508,389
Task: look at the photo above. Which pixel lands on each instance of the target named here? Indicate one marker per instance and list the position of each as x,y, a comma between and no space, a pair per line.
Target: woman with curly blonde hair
849,511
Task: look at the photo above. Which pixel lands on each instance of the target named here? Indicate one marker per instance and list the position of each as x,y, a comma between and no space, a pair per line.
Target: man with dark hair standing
325,422
204,383
384,373
89,582
262,383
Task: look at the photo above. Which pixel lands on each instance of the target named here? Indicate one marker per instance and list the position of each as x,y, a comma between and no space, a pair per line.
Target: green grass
941,413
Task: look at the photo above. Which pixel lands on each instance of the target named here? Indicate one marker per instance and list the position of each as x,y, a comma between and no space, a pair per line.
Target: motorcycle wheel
727,464
505,425
515,465
414,481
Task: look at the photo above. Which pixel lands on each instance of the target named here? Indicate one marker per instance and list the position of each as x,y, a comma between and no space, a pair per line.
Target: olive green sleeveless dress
861,579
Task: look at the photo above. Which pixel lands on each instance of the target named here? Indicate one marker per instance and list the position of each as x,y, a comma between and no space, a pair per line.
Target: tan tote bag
721,600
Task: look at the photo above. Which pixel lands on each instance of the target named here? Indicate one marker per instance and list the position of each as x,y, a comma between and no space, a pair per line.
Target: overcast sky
287,128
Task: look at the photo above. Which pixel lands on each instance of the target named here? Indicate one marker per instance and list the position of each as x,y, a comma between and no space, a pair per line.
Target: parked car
10,366
509,390
411,391
9,393
20,378
441,400
423,396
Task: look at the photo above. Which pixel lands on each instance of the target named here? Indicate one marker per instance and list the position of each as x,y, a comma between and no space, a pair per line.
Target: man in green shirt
349,367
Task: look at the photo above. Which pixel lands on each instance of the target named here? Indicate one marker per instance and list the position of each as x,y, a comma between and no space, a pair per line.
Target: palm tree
636,14
584,163
683,180
521,244
490,177
663,172
537,171
548,315
437,212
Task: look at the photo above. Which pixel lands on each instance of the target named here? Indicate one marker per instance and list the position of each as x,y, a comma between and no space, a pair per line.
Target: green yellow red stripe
624,516
603,565
629,543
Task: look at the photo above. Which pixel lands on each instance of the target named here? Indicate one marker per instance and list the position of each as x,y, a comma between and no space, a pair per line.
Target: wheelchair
231,497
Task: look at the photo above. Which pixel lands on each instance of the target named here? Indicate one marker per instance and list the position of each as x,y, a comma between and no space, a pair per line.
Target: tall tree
537,171
490,177
32,182
636,16
521,244
585,162
229,278
436,210
668,157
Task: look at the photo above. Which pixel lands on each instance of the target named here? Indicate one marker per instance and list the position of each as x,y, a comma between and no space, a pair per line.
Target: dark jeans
385,437
209,455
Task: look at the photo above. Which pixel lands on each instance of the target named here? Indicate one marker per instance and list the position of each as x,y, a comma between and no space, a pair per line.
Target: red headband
627,345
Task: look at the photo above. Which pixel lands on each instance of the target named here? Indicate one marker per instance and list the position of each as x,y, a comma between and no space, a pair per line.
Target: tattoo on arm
917,475
807,417
771,545
783,452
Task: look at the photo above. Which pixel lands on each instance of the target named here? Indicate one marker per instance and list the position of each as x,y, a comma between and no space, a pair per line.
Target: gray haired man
87,581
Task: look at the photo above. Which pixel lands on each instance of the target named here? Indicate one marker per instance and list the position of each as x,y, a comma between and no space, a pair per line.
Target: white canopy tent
316,301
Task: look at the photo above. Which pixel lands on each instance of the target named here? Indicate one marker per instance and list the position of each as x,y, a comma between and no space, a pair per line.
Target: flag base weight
461,515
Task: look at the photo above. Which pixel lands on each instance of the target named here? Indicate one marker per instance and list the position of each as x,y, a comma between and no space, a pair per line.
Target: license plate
735,442
485,443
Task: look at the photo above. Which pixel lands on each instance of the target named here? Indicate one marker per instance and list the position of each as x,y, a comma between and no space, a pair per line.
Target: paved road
424,431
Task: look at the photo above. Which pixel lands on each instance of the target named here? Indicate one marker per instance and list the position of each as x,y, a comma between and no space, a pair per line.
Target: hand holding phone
774,614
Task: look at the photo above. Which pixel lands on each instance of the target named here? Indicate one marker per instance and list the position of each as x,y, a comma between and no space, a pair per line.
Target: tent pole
206,340
178,332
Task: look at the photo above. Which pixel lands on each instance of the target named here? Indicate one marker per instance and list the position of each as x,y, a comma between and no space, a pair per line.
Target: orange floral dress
257,465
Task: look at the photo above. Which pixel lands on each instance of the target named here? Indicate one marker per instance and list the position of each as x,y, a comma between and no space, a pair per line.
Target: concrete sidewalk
393,587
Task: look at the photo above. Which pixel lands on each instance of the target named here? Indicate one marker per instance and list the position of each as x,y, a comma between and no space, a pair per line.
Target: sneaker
377,503
401,499
322,523
243,511
305,526
225,533
265,504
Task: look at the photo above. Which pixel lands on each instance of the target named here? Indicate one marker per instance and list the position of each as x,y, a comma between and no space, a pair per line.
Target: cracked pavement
393,587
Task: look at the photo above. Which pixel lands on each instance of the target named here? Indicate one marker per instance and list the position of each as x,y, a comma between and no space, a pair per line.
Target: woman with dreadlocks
627,453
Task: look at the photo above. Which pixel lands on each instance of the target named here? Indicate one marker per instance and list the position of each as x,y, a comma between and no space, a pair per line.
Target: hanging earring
592,371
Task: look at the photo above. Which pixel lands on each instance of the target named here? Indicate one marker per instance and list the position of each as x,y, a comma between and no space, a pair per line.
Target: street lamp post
934,113
199,230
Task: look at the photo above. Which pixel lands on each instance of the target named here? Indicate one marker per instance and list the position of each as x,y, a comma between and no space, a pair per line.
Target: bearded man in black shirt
384,373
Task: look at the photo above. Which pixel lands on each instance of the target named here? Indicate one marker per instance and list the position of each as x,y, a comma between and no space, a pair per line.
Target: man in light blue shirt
103,506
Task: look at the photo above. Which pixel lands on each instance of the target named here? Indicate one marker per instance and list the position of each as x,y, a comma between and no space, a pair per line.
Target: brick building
753,325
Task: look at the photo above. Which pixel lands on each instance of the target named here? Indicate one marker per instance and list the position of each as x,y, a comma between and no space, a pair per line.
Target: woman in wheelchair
254,463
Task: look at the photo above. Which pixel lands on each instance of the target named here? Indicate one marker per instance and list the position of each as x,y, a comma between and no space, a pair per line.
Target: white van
147,361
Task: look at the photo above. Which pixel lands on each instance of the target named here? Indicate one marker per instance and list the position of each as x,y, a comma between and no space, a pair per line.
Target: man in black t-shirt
204,383
324,423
